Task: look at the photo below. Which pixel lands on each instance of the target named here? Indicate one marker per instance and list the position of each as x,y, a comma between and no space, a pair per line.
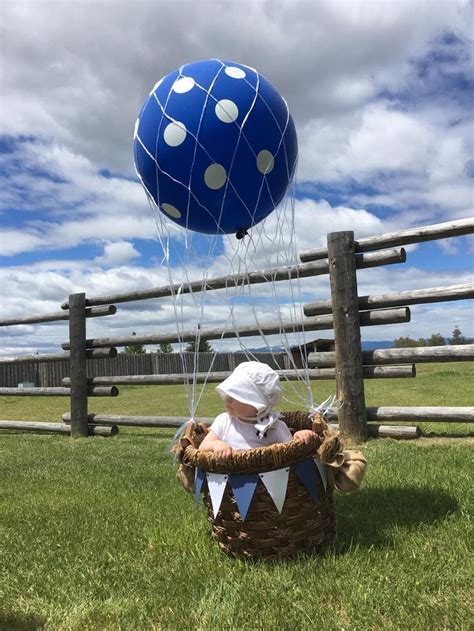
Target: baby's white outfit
241,435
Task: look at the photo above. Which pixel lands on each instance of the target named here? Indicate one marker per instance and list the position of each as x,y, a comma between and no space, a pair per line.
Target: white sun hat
253,383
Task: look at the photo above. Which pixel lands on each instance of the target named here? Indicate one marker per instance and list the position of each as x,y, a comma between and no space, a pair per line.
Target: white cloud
71,203
117,253
324,218
409,158
14,241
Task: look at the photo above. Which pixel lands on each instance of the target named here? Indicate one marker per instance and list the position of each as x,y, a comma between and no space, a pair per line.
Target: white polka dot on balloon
265,161
235,73
215,176
170,210
175,133
183,85
227,111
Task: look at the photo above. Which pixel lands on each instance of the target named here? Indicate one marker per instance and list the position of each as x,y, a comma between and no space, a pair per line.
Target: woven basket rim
257,460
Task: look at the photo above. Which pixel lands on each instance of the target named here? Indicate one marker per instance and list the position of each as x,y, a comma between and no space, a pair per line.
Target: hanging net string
285,297
238,259
192,262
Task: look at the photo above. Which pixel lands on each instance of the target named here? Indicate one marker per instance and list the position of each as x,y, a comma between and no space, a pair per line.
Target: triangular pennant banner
276,482
243,486
216,483
198,480
306,471
322,472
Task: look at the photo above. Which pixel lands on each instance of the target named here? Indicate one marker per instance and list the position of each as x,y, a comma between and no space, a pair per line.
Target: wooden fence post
345,307
77,365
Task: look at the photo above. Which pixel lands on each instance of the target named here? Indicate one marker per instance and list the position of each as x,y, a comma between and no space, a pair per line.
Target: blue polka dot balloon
215,146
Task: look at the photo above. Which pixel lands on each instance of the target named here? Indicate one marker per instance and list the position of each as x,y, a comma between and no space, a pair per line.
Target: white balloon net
175,132
191,257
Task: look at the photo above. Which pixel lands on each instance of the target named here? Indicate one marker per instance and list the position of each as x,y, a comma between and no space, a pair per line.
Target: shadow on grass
366,518
21,622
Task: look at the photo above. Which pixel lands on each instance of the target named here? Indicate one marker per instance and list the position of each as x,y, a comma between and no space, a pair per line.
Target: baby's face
243,411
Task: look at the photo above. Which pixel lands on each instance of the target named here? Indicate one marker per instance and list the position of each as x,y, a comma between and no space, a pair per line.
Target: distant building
300,353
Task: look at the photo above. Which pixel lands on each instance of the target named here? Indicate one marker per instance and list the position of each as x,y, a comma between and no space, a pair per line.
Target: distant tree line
436,339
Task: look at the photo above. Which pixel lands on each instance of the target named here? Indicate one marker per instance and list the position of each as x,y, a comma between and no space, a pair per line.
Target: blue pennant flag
306,471
200,477
243,486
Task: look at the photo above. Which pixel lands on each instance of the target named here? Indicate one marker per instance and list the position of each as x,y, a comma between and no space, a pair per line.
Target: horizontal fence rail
414,297
370,372
57,392
320,268
182,378
419,414
35,359
137,421
95,353
36,392
163,422
56,428
374,414
417,354
91,312
320,323
403,237
404,432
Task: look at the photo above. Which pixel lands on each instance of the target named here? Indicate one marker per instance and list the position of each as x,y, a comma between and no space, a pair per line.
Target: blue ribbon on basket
200,477
243,485
306,471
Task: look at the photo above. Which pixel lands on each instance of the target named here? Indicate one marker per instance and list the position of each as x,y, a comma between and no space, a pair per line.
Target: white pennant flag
216,483
322,472
276,482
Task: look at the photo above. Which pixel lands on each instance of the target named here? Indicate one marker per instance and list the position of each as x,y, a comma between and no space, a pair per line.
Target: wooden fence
344,313
45,374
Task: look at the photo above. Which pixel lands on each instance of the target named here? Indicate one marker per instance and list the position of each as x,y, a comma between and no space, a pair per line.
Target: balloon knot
241,234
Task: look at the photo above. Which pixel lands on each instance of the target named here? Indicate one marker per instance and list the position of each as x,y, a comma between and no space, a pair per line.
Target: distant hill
372,346
366,346
264,349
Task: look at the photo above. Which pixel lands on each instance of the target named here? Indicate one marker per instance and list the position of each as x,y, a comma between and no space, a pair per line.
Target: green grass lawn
96,534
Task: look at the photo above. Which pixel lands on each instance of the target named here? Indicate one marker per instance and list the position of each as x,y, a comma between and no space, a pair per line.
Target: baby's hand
304,435
220,448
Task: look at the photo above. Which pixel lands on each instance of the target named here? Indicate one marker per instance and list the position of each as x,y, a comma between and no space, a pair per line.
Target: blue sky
381,94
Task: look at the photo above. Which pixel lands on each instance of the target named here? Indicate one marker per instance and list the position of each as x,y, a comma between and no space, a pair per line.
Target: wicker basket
303,525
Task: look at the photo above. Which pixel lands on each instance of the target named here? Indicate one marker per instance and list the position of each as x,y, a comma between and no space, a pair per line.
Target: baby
249,395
